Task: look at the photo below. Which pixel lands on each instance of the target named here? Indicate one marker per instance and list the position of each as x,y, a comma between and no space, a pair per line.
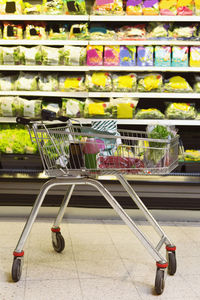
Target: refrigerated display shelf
142,18
41,17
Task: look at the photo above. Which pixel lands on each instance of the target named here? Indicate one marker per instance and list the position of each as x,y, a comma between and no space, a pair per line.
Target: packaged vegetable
51,56
134,7
135,32
53,7
26,82
95,108
71,83
179,56
57,31
35,31
194,56
10,55
150,83
127,55
74,56
168,7
11,7
192,155
185,7
75,7
101,33
123,108
177,84
10,107
163,56
150,113
72,108
52,106
145,56
108,7
197,83
124,83
184,32
79,32
111,55
150,7
48,82
198,116
181,111
94,55
12,31
197,7
32,9
7,83
30,56
158,30
30,108
99,81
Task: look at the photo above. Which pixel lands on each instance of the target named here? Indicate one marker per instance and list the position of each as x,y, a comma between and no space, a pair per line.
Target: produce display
72,108
71,83
124,83
183,111
95,108
26,82
150,113
48,82
99,81
72,56
150,83
177,84
123,108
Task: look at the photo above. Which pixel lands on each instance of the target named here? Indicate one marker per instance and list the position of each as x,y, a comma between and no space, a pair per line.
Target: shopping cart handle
23,121
63,119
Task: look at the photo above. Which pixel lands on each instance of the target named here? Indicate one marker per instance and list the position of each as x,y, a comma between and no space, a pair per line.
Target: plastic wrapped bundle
72,108
53,7
52,106
123,108
7,83
158,30
168,7
30,56
145,56
10,55
94,55
99,81
136,32
111,55
12,31
134,7
9,106
95,108
51,56
30,108
71,83
101,33
124,83
150,83
184,32
185,7
48,82
182,111
150,113
75,7
108,7
35,31
26,82
180,56
177,84
127,55
150,7
74,56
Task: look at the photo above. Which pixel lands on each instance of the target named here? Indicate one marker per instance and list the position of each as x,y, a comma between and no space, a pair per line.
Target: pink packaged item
94,55
111,55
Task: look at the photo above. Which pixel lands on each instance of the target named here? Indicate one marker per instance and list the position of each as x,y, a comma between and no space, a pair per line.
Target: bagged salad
123,108
134,7
48,82
32,9
127,55
150,82
185,7
7,83
35,31
95,108
181,111
51,55
12,31
71,83
79,32
184,32
52,106
30,108
73,56
135,32
197,83
150,113
53,7
158,30
11,7
145,55
94,55
108,7
10,55
168,7
101,33
124,83
99,81
26,82
57,31
180,56
30,56
150,7
72,107
177,84
197,7
194,56
111,55
10,107
75,7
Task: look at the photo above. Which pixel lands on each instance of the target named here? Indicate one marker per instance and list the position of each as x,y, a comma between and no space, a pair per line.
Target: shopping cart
76,155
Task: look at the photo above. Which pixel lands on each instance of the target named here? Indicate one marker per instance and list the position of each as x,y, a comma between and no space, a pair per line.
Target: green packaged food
71,83
123,108
75,7
72,108
26,82
181,111
99,81
95,108
53,7
30,56
150,83
150,113
177,84
30,108
197,84
48,82
52,106
73,56
7,83
10,55
51,56
124,83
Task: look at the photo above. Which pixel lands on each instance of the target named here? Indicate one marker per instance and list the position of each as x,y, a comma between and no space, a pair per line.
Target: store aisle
102,260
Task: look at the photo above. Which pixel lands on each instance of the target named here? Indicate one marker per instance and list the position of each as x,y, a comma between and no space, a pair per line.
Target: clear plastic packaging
10,55
35,31
12,31
48,82
30,56
94,55
30,108
111,55
73,55
123,108
7,83
95,108
11,7
26,82
168,8
75,7
150,83
99,81
134,7
150,7
135,32
149,113
124,83
53,7
182,111
185,7
177,84
72,83
108,7
51,55
72,107
9,106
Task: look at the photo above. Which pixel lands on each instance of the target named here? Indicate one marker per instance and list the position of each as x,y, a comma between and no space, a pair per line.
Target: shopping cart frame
58,242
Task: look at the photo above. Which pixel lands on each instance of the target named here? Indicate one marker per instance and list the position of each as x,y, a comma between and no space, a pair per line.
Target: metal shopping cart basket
74,155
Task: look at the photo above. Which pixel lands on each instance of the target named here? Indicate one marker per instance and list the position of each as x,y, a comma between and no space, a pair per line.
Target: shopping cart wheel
171,263
16,269
58,242
159,281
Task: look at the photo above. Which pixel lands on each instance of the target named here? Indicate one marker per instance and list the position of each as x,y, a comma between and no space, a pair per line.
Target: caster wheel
16,269
159,281
58,242
171,263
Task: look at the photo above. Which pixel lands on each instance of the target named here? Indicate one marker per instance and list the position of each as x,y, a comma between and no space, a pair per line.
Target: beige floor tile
89,238
109,288
12,290
86,226
139,267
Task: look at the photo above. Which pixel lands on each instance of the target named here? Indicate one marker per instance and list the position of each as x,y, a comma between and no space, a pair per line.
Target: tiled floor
102,260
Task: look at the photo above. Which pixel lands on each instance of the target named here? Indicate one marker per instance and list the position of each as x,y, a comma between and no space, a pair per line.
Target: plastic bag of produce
53,7
101,33
150,7
35,31
10,107
48,82
127,55
75,7
111,55
71,83
135,32
185,7
11,7
168,7
72,108
180,56
10,55
134,7
150,113
12,31
145,56
184,32
181,111
74,56
32,9
177,84
163,56
57,31
52,106
123,108
95,108
51,55
30,56
26,82
158,30
7,83
79,32
150,83
192,155
197,7
194,56
30,108
94,55
108,7
124,83
99,81
197,83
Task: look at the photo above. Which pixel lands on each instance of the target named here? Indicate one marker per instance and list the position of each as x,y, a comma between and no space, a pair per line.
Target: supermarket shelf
146,95
12,17
44,94
125,121
145,42
127,18
43,42
44,68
